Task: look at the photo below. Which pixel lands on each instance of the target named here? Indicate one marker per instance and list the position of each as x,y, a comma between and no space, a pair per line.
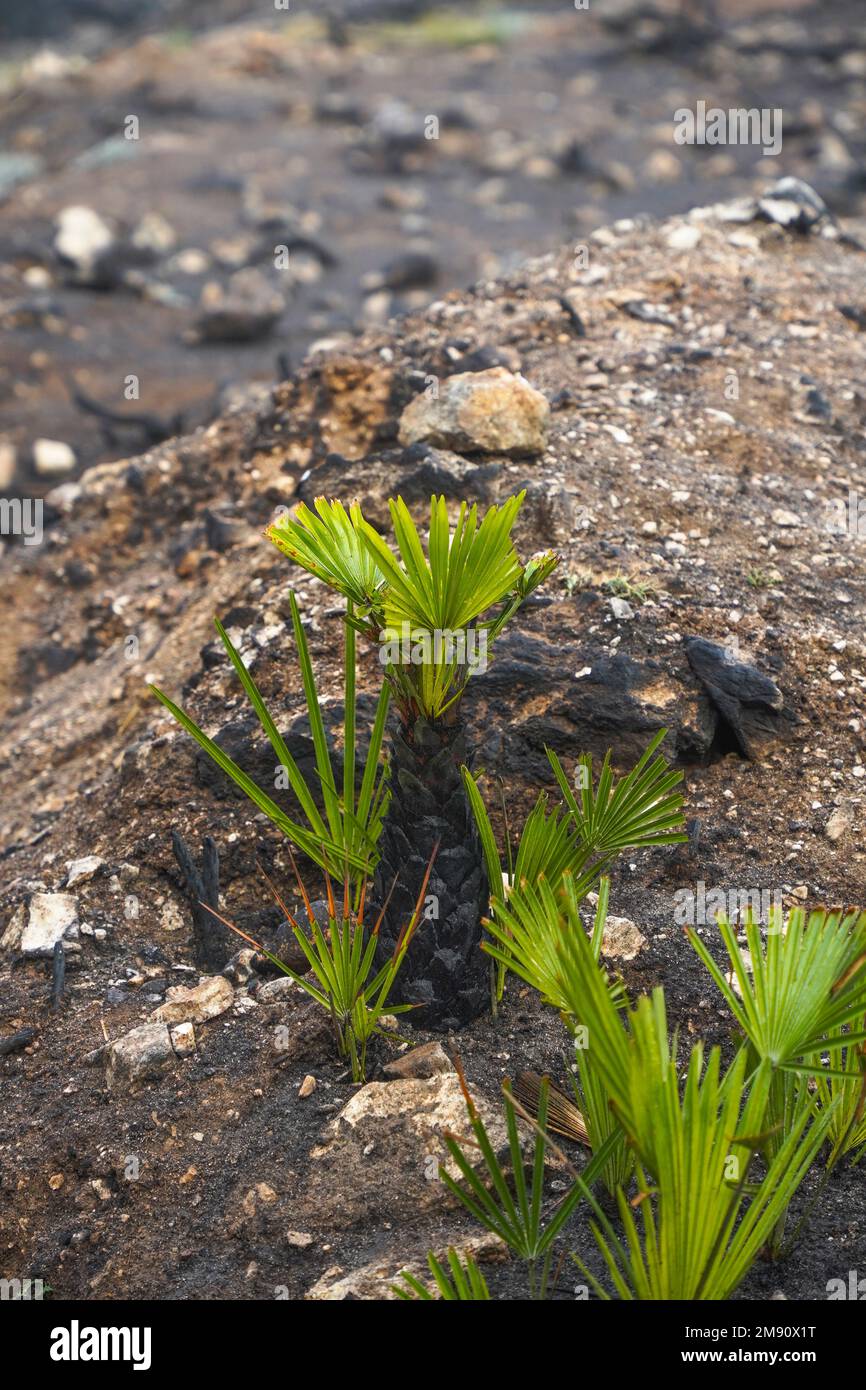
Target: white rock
64,496
52,458
49,918
685,237
183,1039
197,1003
82,237
81,870
782,517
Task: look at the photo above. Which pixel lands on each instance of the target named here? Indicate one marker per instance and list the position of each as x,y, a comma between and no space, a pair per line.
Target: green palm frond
466,1283
808,981
640,810
532,932
327,543
508,1204
844,1078
348,831
462,575
703,1218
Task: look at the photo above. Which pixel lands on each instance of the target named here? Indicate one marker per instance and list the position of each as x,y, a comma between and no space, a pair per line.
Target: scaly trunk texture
445,970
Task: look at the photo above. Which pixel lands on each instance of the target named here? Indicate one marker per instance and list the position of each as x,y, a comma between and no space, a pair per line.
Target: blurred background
193,192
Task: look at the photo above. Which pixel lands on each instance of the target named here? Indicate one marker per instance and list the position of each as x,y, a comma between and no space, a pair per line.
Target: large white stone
51,917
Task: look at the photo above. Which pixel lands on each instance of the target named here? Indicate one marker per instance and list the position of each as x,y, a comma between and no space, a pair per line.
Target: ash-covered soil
698,446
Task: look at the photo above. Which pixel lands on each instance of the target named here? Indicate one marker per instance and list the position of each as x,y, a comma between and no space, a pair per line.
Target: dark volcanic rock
748,702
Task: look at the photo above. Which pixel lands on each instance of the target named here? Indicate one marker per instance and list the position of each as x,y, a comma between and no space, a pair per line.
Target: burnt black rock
747,701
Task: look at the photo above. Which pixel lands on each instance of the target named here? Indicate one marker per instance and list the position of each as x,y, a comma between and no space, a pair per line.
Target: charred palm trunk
445,970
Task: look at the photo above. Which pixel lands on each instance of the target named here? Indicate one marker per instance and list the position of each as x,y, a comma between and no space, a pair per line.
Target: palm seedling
704,1215
342,976
583,838
346,829
466,1283
516,1211
426,614
791,998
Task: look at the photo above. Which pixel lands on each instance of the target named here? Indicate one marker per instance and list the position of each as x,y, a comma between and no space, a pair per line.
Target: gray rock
139,1055
430,1059
399,1124
244,311
200,1002
17,167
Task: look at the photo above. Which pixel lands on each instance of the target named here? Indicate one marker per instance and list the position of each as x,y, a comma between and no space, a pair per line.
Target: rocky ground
704,377
155,156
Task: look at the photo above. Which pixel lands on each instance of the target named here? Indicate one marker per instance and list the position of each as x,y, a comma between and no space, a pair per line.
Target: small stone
685,237
283,987
8,459
82,242
36,929
183,1039
139,1055
490,412
428,1060
622,940
241,313
663,167
307,1087
82,870
840,822
299,1240
621,609
56,1181
375,1281
154,233
197,1003
52,458
239,970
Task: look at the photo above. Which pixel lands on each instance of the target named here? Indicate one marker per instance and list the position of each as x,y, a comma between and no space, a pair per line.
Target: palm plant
517,1216
465,1285
348,830
790,997
426,613
342,975
703,1223
704,1218
583,838
807,981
